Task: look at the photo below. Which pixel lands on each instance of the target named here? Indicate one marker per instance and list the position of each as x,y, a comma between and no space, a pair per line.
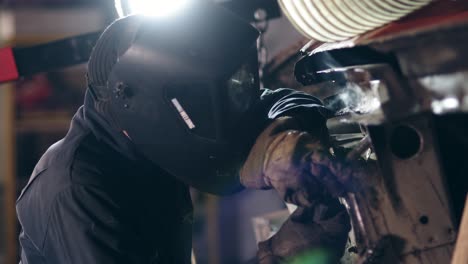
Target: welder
174,102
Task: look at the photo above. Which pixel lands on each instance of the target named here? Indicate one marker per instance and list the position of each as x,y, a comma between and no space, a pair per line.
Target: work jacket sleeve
87,226
271,104
286,101
308,111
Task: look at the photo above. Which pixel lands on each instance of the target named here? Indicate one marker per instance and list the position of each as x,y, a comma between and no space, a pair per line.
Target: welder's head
179,85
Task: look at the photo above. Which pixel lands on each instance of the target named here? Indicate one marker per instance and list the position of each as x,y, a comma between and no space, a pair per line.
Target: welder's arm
292,156
86,226
296,163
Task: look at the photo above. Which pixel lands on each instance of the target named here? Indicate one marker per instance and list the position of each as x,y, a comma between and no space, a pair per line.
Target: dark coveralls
93,199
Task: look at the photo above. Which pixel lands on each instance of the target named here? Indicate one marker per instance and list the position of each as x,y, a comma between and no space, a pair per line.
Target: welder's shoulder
66,165
50,175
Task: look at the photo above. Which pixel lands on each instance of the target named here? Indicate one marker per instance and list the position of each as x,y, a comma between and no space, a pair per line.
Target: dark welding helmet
180,86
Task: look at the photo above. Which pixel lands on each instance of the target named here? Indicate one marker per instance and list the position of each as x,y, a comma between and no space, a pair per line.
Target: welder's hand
317,233
296,163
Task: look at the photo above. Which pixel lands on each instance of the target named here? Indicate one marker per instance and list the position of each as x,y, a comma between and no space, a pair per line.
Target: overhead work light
149,7
338,20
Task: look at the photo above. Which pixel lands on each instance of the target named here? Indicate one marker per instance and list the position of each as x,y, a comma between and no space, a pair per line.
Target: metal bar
460,254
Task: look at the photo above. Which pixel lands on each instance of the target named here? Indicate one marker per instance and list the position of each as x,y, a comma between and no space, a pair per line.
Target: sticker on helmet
182,113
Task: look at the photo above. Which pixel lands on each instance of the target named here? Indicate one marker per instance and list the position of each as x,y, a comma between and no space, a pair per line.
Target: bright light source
451,103
445,105
148,7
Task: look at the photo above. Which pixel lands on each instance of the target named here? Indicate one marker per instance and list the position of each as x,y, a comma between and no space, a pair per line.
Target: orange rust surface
438,13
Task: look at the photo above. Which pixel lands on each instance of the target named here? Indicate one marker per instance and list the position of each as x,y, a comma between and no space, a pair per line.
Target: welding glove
315,234
296,163
292,156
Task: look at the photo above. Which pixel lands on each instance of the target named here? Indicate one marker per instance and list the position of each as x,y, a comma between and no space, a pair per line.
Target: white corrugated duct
338,20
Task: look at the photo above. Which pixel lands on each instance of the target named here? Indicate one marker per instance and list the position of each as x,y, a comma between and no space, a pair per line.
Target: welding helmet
179,86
